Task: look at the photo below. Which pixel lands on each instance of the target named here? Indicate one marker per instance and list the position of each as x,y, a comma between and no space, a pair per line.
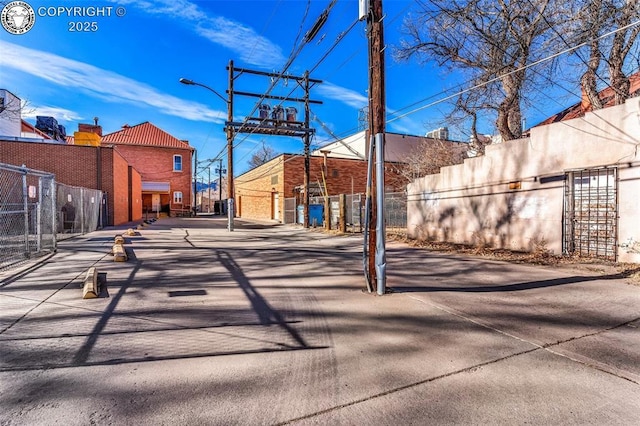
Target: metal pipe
39,217
367,211
230,137
381,256
54,208
25,199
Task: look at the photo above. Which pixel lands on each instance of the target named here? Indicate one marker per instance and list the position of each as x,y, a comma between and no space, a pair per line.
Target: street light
230,209
193,83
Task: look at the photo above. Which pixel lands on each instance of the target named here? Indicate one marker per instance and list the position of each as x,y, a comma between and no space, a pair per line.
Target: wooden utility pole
325,171
275,126
377,116
307,153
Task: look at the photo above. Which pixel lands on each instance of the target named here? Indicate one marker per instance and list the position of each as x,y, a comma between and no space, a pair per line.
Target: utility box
316,212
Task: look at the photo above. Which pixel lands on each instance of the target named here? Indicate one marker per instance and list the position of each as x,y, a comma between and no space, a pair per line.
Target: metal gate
591,213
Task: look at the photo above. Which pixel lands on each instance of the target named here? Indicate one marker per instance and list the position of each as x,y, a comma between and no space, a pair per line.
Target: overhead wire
524,67
285,68
264,28
337,41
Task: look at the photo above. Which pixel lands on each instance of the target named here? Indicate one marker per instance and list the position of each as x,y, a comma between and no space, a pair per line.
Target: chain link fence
35,213
79,210
395,210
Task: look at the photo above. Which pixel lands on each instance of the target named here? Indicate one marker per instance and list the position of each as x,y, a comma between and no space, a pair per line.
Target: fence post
39,217
54,212
82,211
25,200
343,213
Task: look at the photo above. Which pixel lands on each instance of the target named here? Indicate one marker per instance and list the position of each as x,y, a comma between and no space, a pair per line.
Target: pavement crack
547,346
186,238
408,386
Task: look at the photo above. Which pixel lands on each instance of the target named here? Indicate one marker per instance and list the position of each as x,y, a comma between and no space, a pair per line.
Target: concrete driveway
270,325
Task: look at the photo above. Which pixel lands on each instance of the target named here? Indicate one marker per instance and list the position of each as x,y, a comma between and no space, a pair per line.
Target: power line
524,67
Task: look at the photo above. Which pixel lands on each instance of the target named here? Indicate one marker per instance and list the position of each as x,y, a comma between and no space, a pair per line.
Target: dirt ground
541,256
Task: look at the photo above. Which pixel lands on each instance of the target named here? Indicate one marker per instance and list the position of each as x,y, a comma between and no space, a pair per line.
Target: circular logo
17,17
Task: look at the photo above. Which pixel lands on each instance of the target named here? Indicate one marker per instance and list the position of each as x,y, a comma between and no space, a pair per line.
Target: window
177,197
177,163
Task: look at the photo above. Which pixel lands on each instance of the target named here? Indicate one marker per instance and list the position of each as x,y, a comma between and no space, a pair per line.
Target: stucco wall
513,196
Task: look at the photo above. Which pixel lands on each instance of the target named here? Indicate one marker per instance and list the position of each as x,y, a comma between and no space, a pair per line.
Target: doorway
591,213
275,203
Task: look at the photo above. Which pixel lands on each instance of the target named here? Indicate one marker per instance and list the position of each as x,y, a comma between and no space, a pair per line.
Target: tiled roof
607,96
30,128
144,134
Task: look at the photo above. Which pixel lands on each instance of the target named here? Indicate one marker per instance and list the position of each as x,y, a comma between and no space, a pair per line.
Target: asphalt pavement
272,324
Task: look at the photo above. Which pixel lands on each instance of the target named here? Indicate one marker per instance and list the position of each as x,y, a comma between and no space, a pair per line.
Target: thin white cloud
178,8
101,83
61,114
344,95
359,101
250,46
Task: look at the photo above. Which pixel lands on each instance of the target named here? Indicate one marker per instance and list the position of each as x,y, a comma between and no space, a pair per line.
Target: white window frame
177,197
176,156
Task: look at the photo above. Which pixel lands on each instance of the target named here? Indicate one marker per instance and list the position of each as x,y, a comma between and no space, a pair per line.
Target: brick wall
72,165
121,190
135,198
255,189
86,166
108,182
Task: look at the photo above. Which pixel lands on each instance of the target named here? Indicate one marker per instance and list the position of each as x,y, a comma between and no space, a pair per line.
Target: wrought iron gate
591,213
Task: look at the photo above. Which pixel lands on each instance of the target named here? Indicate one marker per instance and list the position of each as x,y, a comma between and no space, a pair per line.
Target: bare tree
429,156
13,108
596,18
489,42
263,155
592,16
623,41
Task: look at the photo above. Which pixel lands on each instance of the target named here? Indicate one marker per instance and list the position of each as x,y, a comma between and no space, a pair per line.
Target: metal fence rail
395,210
33,216
27,214
78,210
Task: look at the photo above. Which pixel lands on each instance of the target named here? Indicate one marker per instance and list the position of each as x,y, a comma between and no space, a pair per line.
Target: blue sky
127,70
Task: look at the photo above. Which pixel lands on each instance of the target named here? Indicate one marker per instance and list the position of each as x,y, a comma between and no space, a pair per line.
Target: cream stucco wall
513,196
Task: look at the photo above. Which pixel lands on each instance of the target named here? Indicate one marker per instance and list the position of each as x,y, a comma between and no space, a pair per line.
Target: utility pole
325,171
307,154
230,135
377,117
195,182
220,184
209,192
275,126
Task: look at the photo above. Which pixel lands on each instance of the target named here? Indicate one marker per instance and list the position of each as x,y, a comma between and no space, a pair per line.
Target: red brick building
138,168
101,168
164,163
